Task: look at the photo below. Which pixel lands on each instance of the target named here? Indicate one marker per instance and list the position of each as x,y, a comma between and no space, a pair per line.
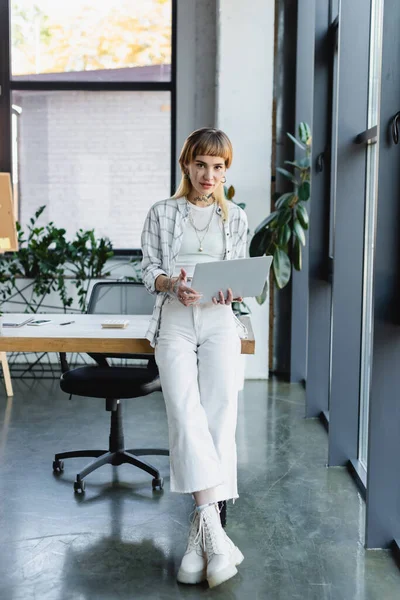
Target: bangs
212,143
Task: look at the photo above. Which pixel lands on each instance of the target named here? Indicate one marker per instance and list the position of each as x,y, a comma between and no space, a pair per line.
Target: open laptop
17,323
245,276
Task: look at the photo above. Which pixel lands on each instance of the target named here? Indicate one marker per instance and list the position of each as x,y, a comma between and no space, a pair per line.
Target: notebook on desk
115,323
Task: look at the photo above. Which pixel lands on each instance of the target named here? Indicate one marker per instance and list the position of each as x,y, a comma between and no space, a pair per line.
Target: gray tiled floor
299,524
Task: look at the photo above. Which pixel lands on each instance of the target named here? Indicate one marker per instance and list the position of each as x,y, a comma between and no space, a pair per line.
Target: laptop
245,276
18,323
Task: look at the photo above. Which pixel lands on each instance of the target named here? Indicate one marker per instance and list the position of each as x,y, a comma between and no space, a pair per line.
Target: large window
92,91
370,224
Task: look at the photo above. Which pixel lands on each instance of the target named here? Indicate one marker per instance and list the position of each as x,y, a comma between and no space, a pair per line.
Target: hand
186,295
228,300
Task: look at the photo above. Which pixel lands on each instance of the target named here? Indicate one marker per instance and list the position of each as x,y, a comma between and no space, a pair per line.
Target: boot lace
194,538
206,534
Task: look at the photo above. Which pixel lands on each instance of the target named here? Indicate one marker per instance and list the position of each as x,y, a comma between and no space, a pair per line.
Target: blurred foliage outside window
51,36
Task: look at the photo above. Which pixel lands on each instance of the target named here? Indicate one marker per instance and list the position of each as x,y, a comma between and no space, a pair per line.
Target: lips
207,185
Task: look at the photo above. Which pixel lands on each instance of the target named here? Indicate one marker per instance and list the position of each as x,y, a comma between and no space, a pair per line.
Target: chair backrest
120,298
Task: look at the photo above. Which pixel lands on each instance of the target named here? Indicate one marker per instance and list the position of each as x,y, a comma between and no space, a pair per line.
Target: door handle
395,127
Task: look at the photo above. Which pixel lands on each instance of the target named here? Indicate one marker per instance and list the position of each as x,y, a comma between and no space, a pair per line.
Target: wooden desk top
87,335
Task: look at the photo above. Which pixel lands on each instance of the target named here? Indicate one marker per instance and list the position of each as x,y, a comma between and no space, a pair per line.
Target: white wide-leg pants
197,354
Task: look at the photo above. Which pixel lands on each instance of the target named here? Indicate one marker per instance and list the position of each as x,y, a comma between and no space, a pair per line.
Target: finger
229,297
221,297
190,298
215,301
190,291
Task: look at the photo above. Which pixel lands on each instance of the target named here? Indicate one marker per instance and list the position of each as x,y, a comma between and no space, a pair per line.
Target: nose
208,175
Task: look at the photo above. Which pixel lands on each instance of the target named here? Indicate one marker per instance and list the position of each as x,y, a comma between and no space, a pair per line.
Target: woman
197,345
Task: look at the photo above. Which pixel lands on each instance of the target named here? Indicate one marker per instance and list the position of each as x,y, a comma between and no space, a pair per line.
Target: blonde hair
205,142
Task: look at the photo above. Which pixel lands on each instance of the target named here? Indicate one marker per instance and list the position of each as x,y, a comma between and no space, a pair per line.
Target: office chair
113,383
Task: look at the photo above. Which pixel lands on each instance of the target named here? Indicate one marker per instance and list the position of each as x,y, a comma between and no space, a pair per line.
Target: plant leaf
281,267
284,200
266,221
263,296
304,132
230,192
288,175
305,163
297,257
260,243
294,164
302,215
284,216
284,236
296,141
304,191
299,231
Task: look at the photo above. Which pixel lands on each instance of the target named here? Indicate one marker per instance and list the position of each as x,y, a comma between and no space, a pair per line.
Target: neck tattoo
205,199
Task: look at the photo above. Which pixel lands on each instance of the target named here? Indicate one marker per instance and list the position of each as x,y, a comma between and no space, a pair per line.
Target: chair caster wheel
79,486
58,466
157,483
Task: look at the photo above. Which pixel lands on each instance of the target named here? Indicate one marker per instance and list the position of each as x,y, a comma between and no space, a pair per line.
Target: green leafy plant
41,256
46,257
282,233
87,257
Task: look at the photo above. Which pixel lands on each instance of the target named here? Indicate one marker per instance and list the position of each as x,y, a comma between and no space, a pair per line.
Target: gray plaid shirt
161,241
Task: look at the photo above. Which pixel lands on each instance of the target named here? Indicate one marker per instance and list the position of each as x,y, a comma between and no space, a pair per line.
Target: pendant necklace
197,230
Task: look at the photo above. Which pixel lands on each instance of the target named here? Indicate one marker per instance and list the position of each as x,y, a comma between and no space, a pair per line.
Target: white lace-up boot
194,563
222,554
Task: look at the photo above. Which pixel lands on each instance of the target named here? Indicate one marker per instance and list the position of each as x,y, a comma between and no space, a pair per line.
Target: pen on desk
67,323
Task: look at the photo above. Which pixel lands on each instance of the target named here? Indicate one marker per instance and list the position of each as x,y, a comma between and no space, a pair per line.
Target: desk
87,335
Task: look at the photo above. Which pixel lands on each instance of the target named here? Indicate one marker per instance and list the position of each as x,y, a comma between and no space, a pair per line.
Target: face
205,173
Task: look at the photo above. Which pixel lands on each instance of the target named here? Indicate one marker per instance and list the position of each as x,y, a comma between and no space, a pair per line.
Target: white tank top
211,241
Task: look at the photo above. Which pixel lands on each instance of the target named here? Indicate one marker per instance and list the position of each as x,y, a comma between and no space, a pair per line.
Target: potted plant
46,261
282,233
40,259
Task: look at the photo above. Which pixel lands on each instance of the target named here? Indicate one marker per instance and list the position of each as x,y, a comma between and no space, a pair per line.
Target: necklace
197,230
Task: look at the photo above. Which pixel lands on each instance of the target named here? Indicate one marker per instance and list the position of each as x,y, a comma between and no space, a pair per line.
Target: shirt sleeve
241,247
152,253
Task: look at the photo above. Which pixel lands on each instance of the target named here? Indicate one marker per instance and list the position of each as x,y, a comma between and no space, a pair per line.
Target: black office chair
113,383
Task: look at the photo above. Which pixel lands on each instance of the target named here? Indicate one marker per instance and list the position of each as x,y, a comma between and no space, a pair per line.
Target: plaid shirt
162,239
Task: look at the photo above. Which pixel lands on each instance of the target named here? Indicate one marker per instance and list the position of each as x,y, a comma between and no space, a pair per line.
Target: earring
224,181
187,176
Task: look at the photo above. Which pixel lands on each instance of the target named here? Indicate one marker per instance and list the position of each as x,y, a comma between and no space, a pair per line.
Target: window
123,40
370,218
92,90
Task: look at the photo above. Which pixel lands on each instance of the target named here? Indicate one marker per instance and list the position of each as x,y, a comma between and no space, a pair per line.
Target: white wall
244,84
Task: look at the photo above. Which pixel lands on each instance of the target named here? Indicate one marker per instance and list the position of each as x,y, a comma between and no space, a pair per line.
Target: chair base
105,457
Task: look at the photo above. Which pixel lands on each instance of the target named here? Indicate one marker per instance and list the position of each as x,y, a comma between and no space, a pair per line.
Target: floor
299,524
